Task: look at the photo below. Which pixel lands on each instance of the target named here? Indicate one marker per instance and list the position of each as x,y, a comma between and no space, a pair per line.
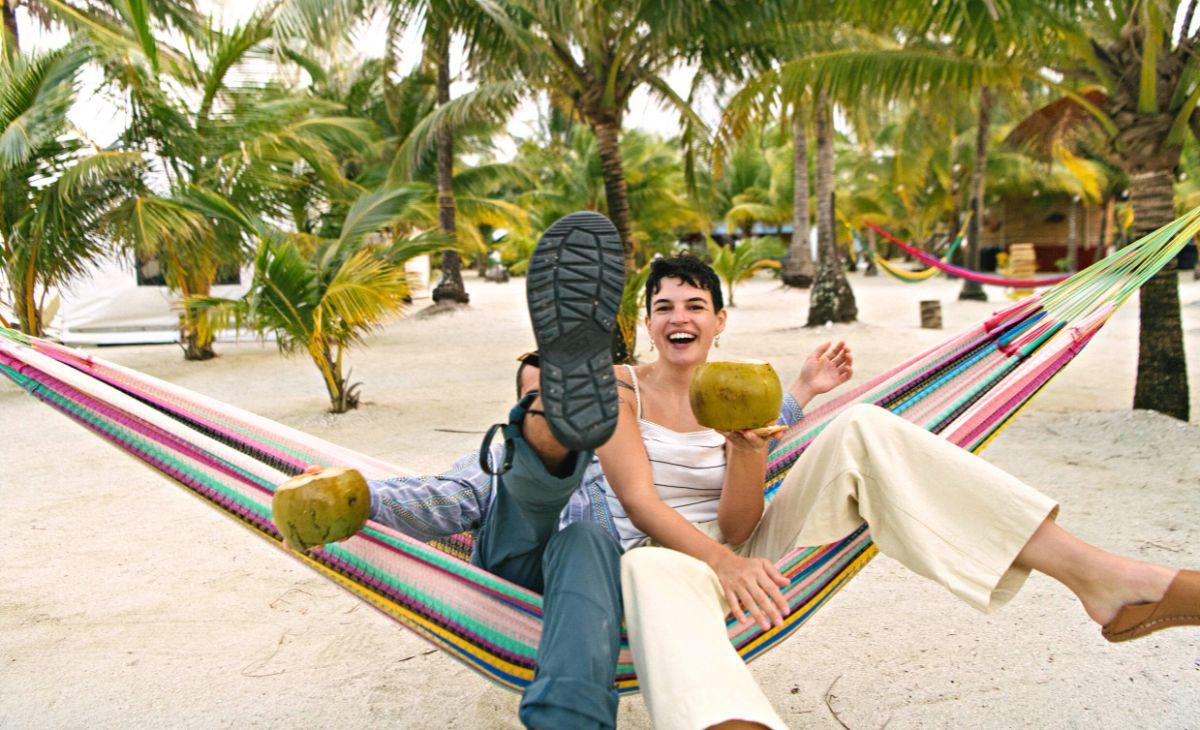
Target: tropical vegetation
254,145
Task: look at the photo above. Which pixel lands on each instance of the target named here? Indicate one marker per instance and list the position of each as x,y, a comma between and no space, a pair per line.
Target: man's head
688,269
528,373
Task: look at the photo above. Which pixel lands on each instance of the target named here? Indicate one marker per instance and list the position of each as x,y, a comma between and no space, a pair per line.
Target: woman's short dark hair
688,269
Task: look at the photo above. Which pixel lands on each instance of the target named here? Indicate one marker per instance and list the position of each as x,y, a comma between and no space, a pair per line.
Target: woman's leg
1103,582
941,511
691,676
959,520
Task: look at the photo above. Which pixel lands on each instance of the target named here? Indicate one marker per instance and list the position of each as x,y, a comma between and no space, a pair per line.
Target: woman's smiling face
682,323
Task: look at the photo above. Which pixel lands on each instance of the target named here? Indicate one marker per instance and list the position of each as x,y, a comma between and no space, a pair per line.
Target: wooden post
931,314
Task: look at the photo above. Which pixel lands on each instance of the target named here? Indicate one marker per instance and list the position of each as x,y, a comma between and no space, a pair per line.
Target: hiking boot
574,286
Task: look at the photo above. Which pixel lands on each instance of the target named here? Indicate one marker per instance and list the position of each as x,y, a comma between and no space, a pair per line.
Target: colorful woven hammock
960,272
914,277
966,389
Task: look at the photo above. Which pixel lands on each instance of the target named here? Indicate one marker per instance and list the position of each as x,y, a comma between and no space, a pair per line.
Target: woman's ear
721,316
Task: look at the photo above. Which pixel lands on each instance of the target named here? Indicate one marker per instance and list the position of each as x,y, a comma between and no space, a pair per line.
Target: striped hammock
949,268
914,277
966,389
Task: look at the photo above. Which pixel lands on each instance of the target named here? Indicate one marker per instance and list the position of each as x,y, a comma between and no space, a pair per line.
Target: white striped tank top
688,468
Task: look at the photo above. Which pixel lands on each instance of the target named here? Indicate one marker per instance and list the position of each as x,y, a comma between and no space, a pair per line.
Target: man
567,406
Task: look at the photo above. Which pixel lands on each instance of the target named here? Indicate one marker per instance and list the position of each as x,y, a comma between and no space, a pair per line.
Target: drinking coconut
316,509
735,395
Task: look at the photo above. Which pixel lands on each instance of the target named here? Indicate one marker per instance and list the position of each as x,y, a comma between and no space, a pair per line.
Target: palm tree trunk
831,300
608,144
798,266
972,289
1162,366
450,288
12,37
342,397
195,348
872,269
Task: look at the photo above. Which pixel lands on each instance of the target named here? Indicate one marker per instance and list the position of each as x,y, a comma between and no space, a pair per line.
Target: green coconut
735,395
316,509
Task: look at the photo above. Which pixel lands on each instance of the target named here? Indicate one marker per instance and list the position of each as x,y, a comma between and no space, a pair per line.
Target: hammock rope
966,389
964,273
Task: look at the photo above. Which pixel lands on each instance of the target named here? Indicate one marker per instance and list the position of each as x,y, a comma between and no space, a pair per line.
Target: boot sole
574,286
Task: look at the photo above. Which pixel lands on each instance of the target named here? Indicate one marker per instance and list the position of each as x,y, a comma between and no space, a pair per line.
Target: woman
689,502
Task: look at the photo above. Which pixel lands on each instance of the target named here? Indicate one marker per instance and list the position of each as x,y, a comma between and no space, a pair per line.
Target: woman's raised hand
752,586
827,367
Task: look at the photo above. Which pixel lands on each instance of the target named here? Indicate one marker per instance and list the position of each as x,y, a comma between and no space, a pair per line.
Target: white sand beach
126,602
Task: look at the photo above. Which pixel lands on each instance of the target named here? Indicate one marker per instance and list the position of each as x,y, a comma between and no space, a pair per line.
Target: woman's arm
742,502
750,584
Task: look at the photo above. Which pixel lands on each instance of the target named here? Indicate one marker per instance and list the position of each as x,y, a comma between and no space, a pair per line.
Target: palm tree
597,54
209,128
832,299
567,175
319,295
1124,47
10,38
737,262
55,191
798,266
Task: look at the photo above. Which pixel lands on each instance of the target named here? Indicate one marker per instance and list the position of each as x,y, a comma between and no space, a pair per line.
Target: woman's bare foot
1103,582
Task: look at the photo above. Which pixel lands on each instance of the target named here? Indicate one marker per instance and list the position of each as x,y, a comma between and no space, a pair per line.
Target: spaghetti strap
637,393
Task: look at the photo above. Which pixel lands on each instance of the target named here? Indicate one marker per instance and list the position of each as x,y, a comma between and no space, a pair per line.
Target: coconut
735,395
315,509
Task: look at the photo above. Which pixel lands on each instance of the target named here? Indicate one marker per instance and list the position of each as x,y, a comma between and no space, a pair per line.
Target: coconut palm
208,125
596,54
319,295
831,300
738,262
567,175
55,190
121,19
1124,47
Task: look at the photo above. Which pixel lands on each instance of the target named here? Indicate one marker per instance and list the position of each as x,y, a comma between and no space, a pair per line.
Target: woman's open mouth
680,340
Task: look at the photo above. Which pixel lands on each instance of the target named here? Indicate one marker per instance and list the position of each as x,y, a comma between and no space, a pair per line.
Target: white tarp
108,307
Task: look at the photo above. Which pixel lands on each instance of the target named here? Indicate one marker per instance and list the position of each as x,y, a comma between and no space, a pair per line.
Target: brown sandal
1179,606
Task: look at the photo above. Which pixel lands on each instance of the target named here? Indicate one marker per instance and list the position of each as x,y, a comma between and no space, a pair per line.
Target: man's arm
435,506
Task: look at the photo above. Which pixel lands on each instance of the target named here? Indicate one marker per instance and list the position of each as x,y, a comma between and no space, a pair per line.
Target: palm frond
490,102
374,211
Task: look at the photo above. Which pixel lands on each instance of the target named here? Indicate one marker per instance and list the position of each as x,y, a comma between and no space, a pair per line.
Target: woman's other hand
827,367
752,586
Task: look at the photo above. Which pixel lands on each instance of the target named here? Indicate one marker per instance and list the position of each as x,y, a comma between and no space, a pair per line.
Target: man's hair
688,269
529,359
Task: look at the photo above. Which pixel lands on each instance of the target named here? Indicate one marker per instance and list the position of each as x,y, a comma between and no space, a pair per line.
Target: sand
126,602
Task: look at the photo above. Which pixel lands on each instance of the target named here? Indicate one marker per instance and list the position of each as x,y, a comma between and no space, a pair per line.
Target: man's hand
826,368
752,585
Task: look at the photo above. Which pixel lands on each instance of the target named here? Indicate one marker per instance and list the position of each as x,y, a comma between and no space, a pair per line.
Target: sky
102,121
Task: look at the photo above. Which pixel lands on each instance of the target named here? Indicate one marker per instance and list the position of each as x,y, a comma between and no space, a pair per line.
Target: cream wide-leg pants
943,512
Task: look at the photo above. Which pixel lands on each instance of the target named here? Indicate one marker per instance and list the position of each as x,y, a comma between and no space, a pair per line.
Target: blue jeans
577,569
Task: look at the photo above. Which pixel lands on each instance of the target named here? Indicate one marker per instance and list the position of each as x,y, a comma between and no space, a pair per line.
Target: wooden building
1046,222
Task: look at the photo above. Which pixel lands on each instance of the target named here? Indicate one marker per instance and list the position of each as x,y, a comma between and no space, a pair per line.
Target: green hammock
965,389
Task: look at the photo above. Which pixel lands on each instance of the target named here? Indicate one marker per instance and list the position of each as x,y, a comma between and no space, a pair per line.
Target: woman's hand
752,585
747,440
826,368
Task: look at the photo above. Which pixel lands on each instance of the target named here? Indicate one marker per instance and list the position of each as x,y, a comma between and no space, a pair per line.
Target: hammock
916,277
976,276
965,389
